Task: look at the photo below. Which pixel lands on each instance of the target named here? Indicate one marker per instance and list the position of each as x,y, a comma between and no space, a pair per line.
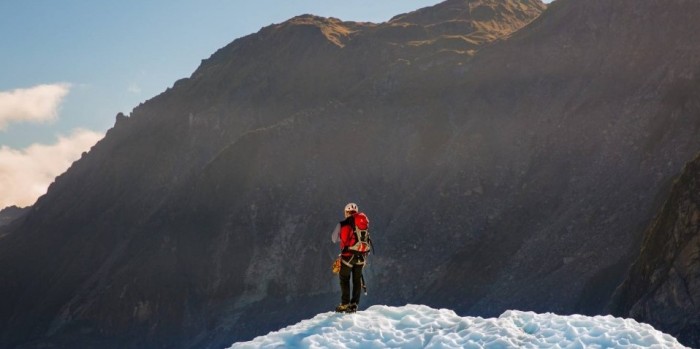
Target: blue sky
68,67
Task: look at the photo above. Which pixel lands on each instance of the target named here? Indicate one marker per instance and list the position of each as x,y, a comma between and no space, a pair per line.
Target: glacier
419,326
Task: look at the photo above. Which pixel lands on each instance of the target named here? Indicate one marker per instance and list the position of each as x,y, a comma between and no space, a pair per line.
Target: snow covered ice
419,326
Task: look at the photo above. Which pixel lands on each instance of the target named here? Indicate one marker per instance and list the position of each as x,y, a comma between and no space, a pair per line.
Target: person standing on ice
353,235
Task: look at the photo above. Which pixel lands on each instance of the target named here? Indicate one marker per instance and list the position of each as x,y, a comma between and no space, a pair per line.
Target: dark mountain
590,113
663,287
502,164
8,214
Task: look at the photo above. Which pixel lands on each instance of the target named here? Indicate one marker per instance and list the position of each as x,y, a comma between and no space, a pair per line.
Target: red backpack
360,241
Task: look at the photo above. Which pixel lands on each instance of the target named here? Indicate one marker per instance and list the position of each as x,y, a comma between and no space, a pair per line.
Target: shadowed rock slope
663,286
501,168
8,214
590,117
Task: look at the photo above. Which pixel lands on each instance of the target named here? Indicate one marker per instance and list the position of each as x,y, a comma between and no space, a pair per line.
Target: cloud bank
25,174
35,104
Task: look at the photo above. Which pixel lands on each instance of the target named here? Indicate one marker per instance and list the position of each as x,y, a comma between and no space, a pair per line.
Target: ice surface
418,326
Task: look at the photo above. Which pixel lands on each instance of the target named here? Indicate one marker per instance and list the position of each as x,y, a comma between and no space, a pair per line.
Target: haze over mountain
504,164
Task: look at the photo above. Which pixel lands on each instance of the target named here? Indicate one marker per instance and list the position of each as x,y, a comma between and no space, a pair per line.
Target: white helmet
351,207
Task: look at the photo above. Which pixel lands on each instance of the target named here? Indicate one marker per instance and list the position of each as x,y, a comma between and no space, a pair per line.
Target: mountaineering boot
352,307
342,308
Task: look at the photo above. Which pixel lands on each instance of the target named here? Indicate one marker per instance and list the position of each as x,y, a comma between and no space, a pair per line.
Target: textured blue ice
418,326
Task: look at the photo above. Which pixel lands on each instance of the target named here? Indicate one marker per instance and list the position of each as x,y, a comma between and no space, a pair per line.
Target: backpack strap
353,227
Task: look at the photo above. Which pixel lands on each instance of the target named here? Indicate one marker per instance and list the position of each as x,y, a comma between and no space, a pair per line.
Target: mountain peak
333,29
491,18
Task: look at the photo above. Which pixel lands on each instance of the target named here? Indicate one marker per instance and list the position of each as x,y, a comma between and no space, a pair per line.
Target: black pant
344,274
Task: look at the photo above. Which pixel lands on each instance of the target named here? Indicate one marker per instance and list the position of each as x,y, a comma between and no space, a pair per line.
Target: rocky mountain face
508,157
663,286
589,118
9,214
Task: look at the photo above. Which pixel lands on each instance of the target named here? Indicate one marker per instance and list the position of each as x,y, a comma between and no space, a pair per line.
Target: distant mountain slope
509,169
8,214
663,286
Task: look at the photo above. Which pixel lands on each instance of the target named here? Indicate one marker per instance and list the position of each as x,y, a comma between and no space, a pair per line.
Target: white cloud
25,174
134,88
35,104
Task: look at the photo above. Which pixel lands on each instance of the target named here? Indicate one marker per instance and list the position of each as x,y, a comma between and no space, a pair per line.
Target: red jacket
347,237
